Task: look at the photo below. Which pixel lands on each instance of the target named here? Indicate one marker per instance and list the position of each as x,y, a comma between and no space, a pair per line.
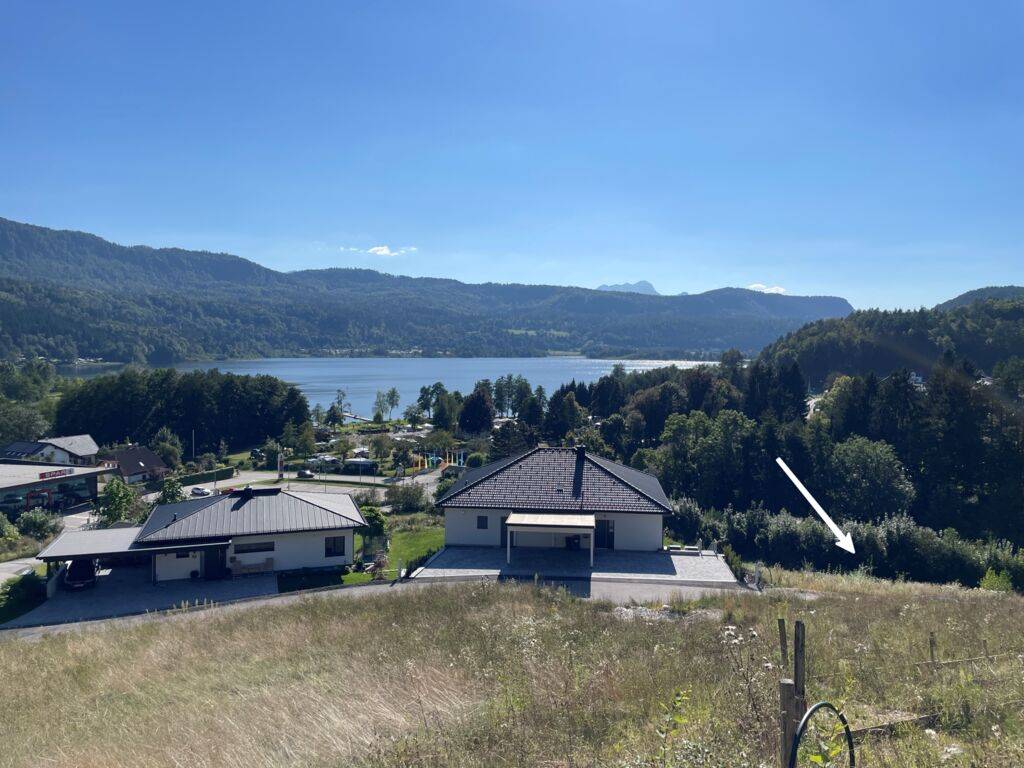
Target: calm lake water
319,378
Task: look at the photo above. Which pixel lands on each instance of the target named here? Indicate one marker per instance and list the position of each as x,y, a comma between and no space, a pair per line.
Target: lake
319,378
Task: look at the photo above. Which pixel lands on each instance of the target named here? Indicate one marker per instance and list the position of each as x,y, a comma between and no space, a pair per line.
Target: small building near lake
556,498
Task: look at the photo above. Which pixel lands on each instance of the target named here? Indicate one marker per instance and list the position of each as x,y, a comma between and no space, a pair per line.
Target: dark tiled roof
558,480
132,461
250,512
21,449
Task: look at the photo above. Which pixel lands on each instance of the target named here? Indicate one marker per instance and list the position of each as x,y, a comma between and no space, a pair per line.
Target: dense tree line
136,404
26,407
985,332
881,453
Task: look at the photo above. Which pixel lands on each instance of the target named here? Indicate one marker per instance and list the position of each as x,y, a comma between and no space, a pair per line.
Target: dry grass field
504,675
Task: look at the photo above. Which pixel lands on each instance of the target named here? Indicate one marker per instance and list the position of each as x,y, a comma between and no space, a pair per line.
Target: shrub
8,533
997,582
418,561
367,498
475,460
734,561
443,486
406,498
895,547
28,590
39,524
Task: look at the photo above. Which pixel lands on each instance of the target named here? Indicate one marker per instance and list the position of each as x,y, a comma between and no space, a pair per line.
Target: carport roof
544,520
111,542
91,543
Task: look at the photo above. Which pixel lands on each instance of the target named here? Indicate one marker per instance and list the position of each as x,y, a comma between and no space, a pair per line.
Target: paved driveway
124,591
650,568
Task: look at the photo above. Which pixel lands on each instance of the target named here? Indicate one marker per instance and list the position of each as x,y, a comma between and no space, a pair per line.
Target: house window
255,546
481,522
334,546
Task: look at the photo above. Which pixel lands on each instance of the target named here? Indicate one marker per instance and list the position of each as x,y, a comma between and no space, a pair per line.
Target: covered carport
98,543
89,544
560,524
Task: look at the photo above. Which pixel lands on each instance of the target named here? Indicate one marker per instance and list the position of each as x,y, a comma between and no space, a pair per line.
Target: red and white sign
56,473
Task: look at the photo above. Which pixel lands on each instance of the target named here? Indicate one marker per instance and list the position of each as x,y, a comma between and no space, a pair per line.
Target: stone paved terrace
471,563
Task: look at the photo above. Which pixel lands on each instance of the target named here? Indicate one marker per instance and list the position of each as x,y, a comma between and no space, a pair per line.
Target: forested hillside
980,294
68,294
985,332
928,481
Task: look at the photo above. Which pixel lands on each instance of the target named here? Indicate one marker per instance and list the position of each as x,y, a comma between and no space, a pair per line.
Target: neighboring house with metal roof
138,464
562,498
73,450
242,532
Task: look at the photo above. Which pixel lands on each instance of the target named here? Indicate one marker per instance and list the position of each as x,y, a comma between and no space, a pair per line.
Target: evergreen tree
477,415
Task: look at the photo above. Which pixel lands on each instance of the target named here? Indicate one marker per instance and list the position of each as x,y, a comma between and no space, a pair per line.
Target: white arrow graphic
843,540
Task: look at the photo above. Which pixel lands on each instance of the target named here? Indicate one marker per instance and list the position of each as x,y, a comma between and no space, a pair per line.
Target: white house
242,532
562,498
73,450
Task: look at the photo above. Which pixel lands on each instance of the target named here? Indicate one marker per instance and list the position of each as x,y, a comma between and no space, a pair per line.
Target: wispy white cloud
381,251
766,288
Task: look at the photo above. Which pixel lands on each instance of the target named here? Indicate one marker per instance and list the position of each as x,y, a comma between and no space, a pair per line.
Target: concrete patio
472,563
125,591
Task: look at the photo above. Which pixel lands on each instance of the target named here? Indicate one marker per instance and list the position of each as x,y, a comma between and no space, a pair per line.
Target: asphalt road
334,483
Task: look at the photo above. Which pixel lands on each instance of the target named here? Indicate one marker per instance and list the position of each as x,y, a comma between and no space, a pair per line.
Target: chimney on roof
581,452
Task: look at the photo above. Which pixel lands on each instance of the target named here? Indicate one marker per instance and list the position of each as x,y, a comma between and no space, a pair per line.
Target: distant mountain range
66,295
640,286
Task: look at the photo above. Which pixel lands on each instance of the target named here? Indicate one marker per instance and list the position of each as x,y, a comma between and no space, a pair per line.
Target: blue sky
871,150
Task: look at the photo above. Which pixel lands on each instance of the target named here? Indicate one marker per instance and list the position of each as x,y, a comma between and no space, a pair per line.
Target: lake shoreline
320,378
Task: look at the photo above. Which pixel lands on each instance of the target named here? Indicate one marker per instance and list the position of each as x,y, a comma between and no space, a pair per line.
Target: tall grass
505,675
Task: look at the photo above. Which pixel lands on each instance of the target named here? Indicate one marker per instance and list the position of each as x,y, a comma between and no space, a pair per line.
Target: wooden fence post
931,647
792,694
788,719
800,668
783,645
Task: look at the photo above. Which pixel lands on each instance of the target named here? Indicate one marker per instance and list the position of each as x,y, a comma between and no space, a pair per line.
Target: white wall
55,455
170,566
294,550
291,552
632,531
460,527
635,531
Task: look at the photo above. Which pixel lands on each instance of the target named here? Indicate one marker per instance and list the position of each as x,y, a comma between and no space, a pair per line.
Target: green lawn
405,546
412,543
